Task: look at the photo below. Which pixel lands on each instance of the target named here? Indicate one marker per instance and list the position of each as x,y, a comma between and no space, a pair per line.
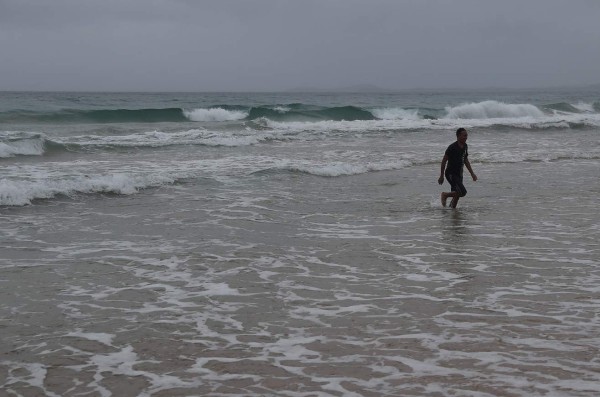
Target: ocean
294,244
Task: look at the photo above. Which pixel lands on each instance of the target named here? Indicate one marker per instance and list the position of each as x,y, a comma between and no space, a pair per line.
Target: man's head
461,135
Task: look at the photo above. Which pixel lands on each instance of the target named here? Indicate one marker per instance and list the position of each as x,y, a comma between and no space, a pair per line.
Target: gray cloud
211,45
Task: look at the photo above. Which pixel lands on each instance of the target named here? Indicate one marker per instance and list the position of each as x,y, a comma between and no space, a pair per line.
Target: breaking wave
215,114
298,112
23,192
27,146
492,110
244,126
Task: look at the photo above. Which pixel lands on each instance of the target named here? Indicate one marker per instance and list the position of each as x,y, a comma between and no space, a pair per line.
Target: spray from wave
584,107
492,110
215,114
395,114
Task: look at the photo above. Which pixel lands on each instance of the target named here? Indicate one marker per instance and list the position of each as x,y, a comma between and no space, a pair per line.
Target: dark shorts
456,184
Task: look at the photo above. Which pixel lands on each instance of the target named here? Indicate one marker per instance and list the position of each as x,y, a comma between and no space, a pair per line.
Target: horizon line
368,89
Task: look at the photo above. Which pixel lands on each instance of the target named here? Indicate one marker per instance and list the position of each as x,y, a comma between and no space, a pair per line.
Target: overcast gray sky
262,45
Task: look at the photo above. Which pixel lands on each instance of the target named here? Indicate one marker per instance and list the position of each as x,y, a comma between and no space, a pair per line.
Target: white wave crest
584,107
24,147
22,192
282,109
21,143
395,114
492,110
215,114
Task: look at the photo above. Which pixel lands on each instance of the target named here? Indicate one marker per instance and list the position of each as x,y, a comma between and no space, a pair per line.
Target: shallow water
360,285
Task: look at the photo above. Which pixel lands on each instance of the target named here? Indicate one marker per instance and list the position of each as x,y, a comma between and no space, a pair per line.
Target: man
456,156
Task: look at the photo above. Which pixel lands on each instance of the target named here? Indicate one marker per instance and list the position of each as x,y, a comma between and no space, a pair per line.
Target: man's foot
444,198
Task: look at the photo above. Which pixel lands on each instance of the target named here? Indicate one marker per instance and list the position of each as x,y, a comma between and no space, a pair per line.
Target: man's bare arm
444,161
468,165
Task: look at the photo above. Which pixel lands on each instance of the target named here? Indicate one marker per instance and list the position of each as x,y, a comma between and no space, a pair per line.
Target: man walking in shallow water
456,156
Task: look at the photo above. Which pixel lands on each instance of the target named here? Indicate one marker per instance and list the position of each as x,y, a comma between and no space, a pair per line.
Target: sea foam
343,168
160,139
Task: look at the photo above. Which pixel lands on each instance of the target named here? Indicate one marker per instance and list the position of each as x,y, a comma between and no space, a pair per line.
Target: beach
295,245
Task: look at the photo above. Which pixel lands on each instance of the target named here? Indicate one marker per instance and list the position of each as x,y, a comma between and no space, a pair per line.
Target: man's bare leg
454,201
445,196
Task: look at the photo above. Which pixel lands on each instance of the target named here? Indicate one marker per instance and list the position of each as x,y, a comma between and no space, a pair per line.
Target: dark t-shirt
456,159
